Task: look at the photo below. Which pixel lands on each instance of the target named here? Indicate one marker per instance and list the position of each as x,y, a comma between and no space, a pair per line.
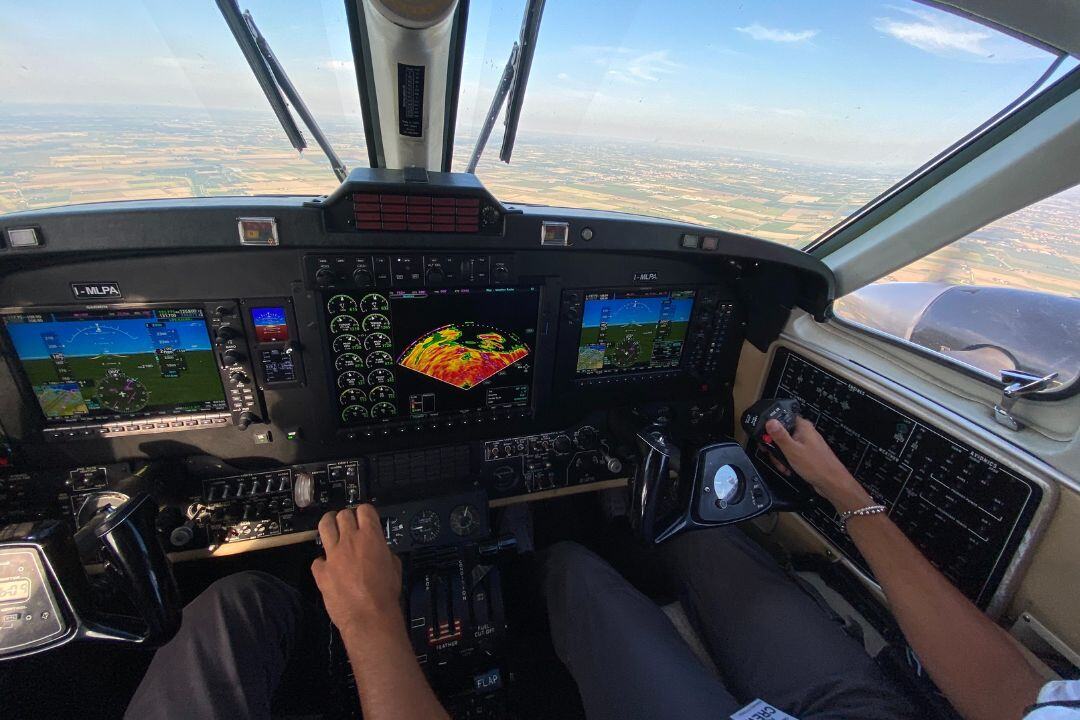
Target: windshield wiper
275,84
514,79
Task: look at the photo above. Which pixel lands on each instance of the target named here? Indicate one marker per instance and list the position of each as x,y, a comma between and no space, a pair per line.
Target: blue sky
117,337
891,82
634,311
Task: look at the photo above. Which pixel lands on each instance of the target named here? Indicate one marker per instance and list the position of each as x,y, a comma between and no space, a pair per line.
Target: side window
1005,297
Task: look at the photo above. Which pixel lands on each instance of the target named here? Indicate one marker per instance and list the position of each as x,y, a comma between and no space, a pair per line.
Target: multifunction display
965,511
425,353
626,331
103,365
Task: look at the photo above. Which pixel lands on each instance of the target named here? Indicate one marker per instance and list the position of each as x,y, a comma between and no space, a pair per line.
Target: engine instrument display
427,353
110,364
630,331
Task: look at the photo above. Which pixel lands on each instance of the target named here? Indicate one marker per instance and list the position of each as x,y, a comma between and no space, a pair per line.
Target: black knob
360,276
226,332
232,357
563,444
435,276
586,437
238,377
245,420
500,273
324,277
489,215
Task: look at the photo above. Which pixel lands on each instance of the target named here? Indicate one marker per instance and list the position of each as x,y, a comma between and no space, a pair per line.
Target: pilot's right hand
815,462
360,579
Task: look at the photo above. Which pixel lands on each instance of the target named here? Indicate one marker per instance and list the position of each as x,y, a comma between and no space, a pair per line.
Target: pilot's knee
251,589
570,568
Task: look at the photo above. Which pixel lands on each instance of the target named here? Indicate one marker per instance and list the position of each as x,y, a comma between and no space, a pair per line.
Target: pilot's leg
626,656
228,656
770,638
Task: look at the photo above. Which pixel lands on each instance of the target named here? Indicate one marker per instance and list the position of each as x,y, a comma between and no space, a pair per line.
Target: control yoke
673,490
47,599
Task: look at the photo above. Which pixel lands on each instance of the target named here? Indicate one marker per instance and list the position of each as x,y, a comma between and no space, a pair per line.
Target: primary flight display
626,331
121,363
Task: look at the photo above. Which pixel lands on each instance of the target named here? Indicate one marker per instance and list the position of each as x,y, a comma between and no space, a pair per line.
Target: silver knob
303,489
614,464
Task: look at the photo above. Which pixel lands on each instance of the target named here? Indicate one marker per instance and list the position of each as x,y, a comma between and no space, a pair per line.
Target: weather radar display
463,354
112,364
633,331
423,353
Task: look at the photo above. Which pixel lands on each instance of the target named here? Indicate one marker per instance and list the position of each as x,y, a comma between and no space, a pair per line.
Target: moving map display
427,353
111,364
633,330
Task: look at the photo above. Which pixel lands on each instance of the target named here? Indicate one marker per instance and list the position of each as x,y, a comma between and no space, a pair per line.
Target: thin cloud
939,33
339,65
631,66
760,32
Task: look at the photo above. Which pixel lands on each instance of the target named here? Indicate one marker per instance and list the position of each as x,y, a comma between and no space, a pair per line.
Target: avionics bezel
441,421
121,427
689,377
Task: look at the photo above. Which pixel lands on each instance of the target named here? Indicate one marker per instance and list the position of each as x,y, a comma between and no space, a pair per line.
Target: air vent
416,213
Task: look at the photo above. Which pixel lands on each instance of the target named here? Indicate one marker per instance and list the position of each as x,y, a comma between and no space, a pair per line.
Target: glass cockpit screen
426,353
116,364
629,331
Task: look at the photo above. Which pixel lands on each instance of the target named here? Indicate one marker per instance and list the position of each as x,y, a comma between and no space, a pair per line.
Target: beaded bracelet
868,510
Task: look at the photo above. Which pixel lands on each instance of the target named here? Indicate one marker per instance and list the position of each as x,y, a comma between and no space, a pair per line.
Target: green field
625,337
197,383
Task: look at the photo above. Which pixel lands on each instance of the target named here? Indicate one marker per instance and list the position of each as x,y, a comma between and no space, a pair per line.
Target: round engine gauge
425,526
346,343
380,376
464,520
373,302
122,394
379,358
382,392
344,324
350,379
353,396
341,304
354,413
375,322
393,530
348,361
383,410
377,341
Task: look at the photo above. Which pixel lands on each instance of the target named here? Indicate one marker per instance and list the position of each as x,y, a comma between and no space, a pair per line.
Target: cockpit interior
600,442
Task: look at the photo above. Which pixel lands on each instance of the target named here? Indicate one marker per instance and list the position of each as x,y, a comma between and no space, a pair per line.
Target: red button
766,438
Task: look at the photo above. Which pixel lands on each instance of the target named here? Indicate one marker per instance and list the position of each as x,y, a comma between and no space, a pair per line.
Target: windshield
127,100
773,119
776,120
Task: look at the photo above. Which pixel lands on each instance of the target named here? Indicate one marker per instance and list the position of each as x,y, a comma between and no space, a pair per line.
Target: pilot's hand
815,462
360,579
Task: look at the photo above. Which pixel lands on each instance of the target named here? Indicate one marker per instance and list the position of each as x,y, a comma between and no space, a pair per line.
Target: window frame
1062,393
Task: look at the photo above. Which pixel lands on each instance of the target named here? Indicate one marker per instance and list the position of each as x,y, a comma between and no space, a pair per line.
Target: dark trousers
228,656
769,638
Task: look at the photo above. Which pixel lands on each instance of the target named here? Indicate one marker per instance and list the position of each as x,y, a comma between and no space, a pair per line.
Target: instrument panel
965,511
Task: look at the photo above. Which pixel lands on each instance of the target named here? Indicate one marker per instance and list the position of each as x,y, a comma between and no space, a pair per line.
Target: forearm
974,662
388,677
